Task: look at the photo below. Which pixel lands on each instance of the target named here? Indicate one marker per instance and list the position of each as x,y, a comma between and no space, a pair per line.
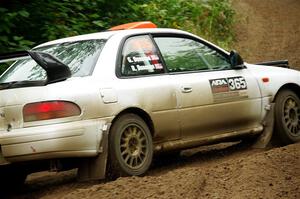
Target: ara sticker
228,88
228,84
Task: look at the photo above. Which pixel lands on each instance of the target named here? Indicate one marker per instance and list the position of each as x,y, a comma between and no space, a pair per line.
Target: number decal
228,89
228,84
231,84
243,83
237,83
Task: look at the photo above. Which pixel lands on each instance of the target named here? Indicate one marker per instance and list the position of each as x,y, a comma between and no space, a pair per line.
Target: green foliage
10,41
24,25
211,19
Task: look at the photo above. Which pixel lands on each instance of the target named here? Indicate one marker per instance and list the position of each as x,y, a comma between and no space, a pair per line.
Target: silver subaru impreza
106,102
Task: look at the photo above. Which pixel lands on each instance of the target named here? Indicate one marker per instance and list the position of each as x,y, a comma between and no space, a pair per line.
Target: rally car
106,102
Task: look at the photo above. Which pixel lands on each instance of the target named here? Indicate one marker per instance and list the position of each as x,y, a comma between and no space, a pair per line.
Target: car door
212,97
144,84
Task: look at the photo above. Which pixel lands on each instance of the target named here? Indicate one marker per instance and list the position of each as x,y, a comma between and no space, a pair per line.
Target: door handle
186,89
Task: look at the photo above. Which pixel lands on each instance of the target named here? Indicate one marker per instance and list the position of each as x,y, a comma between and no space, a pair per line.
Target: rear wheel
130,147
287,117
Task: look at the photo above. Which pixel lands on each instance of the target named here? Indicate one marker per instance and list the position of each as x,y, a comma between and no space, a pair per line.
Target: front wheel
287,117
130,147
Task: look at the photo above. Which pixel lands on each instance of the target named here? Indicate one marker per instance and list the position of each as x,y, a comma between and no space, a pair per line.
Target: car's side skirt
190,143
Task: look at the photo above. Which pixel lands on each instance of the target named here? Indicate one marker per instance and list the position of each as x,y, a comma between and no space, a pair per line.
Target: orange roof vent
134,25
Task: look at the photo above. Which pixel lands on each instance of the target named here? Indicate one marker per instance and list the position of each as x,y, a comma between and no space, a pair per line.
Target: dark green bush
26,23
211,19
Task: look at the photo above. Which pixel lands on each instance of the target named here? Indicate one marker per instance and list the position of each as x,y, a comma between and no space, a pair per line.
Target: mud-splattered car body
167,89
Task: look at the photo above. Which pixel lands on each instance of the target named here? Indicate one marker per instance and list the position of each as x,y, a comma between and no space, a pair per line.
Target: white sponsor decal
227,89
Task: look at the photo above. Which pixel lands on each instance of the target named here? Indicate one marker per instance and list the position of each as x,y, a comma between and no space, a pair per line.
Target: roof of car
107,34
127,32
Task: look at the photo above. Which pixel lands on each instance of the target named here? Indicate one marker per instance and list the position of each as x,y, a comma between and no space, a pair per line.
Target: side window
183,54
140,57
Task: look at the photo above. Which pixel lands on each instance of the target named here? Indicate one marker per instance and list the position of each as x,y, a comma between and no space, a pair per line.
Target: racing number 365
237,83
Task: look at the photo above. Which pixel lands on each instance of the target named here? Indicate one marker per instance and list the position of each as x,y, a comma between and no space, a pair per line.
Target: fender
271,79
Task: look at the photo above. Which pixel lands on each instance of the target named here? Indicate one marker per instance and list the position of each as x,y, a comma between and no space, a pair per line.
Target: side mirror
236,60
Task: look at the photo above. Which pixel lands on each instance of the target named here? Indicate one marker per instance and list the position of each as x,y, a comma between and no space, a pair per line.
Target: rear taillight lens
49,110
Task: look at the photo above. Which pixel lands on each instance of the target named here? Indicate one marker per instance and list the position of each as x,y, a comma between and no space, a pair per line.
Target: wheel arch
290,86
141,113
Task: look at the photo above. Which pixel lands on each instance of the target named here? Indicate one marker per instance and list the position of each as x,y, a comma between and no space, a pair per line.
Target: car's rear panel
75,136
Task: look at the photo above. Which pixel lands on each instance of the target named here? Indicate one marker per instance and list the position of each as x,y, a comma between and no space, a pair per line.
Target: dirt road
234,172
267,30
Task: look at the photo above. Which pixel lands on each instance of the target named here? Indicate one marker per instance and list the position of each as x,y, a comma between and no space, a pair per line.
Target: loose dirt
266,30
220,171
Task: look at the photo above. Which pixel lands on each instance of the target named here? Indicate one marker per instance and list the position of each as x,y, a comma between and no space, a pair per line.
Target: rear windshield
79,56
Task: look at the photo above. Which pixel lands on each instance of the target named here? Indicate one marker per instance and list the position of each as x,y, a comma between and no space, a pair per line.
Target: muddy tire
130,147
287,117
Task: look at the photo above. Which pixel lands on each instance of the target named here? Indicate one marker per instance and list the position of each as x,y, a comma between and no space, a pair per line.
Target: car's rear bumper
71,139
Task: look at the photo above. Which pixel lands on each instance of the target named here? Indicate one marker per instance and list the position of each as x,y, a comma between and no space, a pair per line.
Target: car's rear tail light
49,110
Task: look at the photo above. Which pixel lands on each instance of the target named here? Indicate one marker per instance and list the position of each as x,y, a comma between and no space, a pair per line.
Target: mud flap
95,168
264,139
